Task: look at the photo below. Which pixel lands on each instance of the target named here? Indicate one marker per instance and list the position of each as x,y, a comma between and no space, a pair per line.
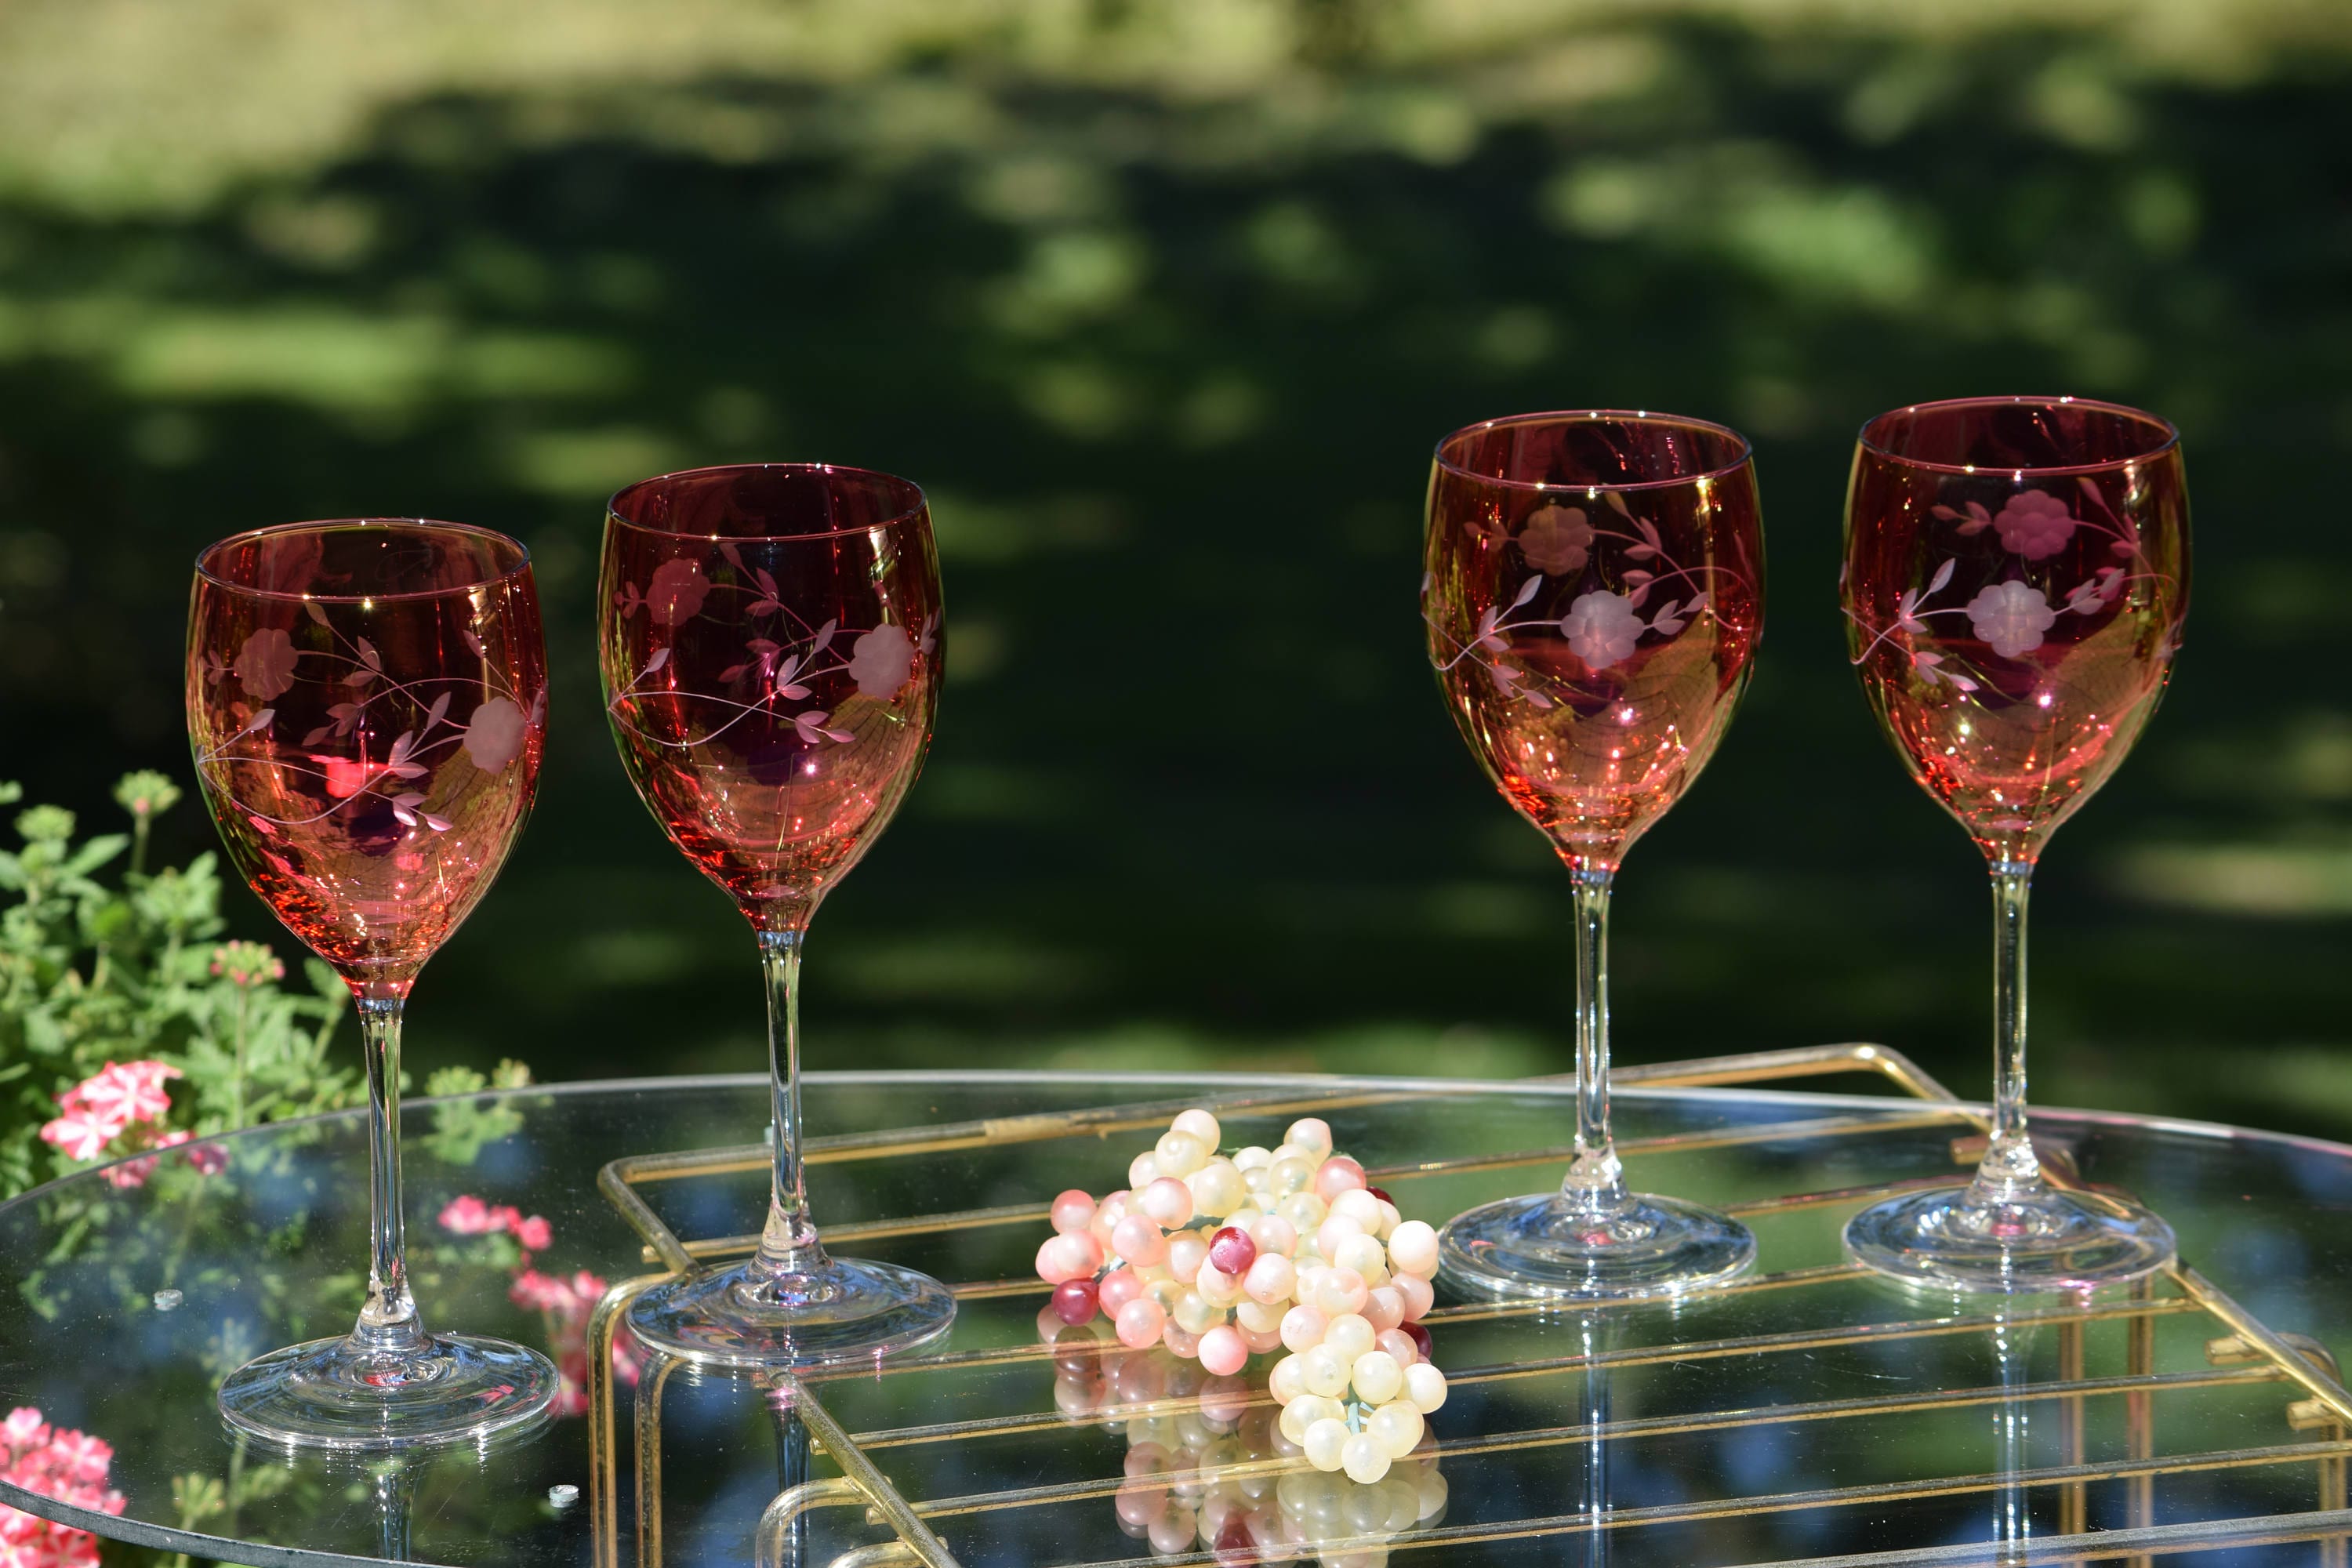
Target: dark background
1165,302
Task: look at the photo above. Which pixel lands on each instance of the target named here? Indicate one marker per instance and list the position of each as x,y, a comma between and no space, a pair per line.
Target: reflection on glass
1208,1470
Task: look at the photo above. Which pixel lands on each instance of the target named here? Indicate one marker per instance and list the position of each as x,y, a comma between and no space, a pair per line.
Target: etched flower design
881,660
265,665
1557,539
676,591
495,736
2035,524
1601,628
2011,616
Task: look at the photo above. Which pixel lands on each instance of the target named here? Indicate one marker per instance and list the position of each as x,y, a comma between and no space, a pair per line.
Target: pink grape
1117,1288
1168,1200
1179,1342
1222,1351
1139,1323
1384,1308
1232,1251
1270,1278
1275,1234
1418,1293
1074,1210
1186,1253
1336,1175
1260,1343
1057,1262
1139,1240
1140,1505
1078,1254
1074,1302
1340,1291
1401,1345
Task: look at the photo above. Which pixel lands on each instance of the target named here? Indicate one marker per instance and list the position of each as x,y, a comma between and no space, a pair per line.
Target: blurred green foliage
1166,301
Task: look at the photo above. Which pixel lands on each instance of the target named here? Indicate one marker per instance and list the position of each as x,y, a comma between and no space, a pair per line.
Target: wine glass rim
916,501
2171,435
1745,453
335,524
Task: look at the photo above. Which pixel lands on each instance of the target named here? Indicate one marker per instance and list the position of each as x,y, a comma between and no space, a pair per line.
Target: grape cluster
1284,1248
1209,1470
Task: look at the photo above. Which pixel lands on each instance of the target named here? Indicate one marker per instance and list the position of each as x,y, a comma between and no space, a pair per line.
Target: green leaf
95,853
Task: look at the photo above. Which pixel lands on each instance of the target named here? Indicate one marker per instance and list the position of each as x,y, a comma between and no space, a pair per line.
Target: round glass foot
845,1310
327,1394
2050,1241
1543,1246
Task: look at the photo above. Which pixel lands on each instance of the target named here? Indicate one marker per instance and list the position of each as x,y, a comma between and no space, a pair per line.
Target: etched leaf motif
1943,576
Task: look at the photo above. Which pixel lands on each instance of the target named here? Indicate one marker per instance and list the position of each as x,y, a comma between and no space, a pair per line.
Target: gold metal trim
2247,1353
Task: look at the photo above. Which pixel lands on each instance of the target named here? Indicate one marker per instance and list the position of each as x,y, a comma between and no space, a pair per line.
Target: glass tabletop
1807,1415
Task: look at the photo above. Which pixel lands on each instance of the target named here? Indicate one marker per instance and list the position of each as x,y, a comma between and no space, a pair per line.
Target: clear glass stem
788,1246
2011,1173
388,1324
1595,1183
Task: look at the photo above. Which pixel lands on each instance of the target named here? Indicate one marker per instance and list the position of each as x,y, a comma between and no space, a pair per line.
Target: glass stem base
349,1394
1560,1247
829,1312
2009,1239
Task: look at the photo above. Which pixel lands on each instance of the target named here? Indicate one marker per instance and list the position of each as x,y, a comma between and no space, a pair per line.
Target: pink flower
265,665
1601,628
881,660
130,1173
209,1159
2034,523
535,1233
494,738
540,1293
82,1132
132,1090
676,592
2011,616
81,1455
67,1465
24,1428
468,1216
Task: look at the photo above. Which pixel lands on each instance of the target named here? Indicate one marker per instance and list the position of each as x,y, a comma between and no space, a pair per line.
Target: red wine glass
2016,575
1594,595
770,641
367,701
